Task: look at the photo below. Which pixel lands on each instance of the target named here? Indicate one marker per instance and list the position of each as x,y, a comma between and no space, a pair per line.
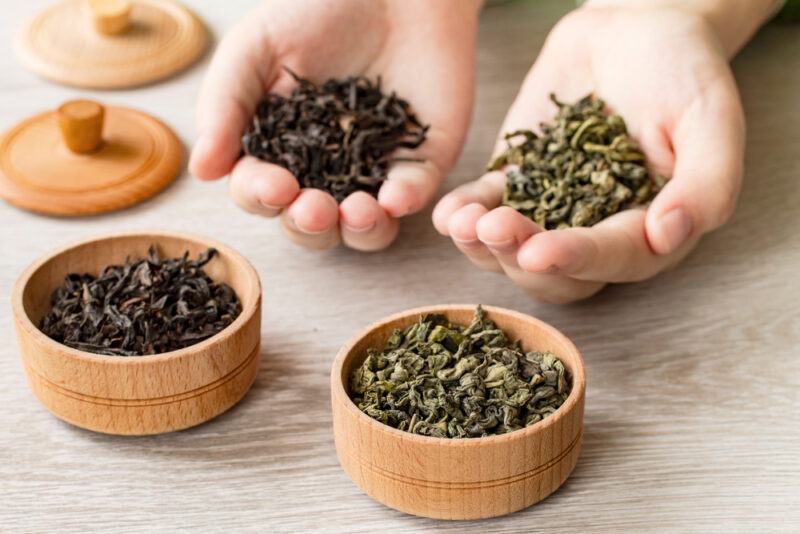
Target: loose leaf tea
582,168
148,306
444,380
338,137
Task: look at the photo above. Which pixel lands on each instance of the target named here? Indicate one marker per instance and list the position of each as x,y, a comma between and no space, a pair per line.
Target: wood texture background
693,399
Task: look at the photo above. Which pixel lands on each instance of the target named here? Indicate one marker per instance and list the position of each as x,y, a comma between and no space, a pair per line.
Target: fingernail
297,228
468,243
202,144
309,232
550,269
257,189
398,213
502,247
199,147
270,206
357,230
676,225
254,187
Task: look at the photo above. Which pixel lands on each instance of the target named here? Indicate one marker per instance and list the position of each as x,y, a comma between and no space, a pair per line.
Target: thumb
240,73
709,163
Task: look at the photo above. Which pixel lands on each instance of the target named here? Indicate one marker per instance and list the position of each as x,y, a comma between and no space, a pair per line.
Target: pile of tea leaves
444,380
581,168
338,137
148,306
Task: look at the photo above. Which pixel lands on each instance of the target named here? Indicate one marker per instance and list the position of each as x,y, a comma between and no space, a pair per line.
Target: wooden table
693,405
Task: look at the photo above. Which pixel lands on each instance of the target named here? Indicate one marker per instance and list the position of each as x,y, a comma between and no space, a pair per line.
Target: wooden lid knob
81,124
110,17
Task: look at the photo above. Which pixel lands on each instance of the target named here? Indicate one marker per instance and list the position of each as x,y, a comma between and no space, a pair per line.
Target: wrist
733,21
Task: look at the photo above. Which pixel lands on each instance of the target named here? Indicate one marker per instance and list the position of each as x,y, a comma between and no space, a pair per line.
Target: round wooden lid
83,159
110,44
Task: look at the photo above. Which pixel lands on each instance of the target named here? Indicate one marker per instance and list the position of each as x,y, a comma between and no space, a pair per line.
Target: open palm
666,74
424,56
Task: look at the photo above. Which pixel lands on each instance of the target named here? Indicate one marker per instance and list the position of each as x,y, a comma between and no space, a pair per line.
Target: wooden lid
83,159
110,44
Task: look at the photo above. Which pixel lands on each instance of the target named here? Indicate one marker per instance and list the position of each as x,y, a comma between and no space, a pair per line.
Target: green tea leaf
444,380
582,168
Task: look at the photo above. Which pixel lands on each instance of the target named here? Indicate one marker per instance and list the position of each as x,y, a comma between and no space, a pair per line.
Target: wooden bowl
459,478
138,395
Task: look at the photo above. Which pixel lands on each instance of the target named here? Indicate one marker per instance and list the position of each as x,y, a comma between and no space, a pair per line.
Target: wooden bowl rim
50,344
576,393
43,67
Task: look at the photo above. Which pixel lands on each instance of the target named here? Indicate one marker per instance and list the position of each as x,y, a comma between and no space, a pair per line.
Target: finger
463,231
312,220
262,188
486,191
614,250
236,79
709,150
556,289
364,223
410,185
503,231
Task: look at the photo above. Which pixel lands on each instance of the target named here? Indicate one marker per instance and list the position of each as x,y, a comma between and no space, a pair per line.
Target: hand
665,72
423,51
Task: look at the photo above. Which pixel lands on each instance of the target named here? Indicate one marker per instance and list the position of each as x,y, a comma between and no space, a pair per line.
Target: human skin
422,50
663,66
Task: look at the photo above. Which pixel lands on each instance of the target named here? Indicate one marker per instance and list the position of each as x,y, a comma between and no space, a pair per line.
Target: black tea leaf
338,136
149,306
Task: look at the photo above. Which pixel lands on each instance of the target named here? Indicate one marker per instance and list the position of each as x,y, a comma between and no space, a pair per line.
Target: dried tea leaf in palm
340,136
580,168
440,379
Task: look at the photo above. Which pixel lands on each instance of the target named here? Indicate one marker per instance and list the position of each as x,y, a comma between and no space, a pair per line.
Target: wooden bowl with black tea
458,478
138,394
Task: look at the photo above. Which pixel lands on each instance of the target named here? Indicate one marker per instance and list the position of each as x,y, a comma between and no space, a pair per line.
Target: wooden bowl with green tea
192,363
436,475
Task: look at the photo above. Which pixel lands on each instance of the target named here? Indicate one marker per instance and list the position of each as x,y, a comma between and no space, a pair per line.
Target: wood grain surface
692,419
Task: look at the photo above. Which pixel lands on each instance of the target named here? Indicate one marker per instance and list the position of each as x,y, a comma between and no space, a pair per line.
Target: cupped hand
665,72
421,50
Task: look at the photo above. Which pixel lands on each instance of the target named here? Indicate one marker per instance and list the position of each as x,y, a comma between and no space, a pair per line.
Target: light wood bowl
459,478
138,395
